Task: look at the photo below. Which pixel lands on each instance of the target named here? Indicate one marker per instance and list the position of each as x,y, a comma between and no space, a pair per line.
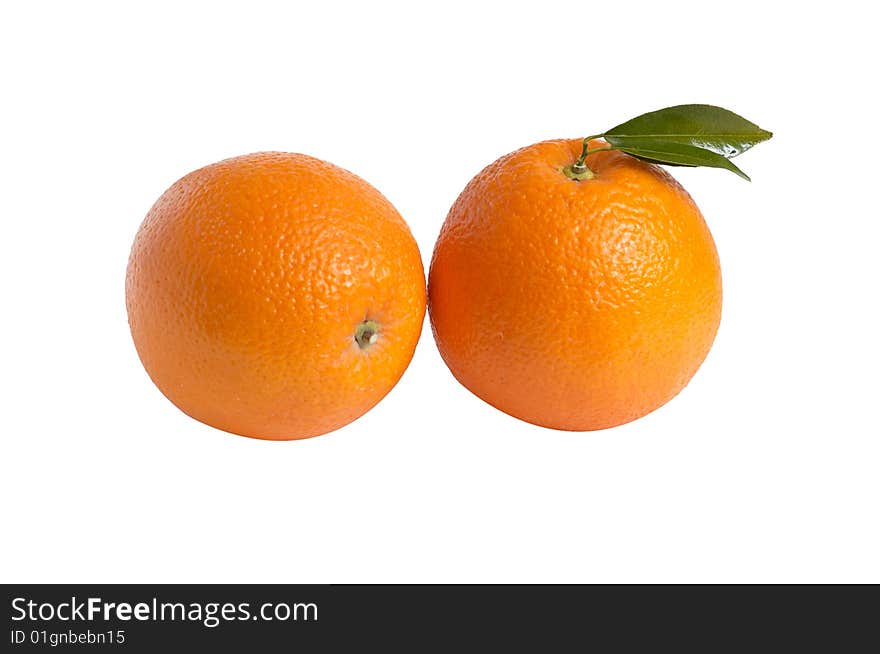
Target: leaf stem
579,170
580,165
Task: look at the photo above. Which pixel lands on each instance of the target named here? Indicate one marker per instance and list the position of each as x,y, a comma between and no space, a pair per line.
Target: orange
274,295
575,305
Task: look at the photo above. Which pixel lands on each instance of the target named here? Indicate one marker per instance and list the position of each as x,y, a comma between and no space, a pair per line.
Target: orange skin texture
246,285
574,305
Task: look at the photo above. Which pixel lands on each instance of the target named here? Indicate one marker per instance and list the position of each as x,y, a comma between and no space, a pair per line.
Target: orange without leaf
274,295
576,305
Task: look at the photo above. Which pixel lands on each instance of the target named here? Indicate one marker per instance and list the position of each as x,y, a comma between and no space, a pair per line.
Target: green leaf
699,125
677,154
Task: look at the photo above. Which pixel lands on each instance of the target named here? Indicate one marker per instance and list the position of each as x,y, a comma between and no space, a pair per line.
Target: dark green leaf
677,154
699,125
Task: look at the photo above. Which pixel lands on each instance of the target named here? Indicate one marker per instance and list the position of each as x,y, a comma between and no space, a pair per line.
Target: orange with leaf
575,284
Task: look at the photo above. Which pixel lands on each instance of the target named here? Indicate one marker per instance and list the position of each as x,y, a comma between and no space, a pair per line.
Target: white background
765,469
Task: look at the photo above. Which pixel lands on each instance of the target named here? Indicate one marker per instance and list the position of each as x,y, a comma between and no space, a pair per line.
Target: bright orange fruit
274,295
575,305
